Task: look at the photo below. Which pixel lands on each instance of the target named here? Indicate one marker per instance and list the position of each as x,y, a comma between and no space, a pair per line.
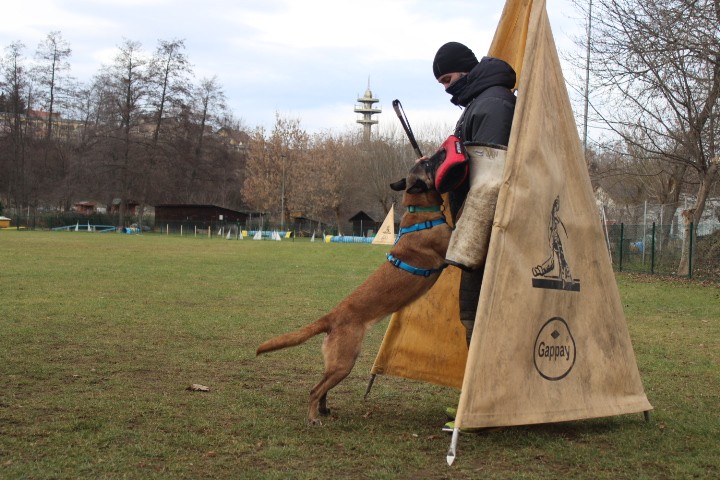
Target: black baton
397,106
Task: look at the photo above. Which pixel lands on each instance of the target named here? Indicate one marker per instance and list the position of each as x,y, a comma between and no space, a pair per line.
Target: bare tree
52,55
656,84
54,95
261,177
81,177
274,165
125,88
383,161
15,87
323,184
168,90
208,107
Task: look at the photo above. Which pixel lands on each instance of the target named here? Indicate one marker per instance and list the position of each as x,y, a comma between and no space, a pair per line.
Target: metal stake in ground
452,451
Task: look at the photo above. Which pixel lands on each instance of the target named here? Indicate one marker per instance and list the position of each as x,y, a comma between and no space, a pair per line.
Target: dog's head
421,177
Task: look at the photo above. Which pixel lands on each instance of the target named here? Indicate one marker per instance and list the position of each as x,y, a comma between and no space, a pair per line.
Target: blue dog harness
420,226
423,272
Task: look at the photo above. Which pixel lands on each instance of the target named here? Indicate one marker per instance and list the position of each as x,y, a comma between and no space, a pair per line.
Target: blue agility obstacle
90,228
350,239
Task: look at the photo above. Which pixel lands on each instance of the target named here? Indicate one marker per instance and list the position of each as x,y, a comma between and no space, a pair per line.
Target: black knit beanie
453,57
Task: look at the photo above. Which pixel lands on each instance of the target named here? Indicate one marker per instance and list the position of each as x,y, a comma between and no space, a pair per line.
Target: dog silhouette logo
554,271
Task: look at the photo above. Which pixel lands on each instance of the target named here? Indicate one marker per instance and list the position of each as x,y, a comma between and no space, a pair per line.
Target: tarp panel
551,341
386,234
425,340
430,327
511,34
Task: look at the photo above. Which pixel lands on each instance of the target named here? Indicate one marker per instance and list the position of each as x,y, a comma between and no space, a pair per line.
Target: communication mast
367,110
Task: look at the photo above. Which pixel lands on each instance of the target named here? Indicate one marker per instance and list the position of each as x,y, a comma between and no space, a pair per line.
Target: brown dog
415,262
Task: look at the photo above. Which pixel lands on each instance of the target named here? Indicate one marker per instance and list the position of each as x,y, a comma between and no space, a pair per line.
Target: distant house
131,206
85,208
362,224
234,138
304,225
201,215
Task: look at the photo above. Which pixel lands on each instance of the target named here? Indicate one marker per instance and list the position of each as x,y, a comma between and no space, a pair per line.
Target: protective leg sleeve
471,237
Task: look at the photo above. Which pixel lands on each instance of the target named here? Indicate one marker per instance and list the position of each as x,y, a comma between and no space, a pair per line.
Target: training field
101,334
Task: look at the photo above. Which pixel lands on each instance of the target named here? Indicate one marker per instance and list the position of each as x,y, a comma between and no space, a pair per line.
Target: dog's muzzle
453,171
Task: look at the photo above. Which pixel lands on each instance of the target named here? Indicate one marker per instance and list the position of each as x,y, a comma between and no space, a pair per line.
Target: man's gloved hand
453,171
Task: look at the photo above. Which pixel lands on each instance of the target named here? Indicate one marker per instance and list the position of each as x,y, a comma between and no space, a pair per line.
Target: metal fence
657,249
645,248
34,220
225,228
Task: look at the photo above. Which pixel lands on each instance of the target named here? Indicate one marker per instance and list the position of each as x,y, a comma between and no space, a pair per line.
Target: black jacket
489,107
489,103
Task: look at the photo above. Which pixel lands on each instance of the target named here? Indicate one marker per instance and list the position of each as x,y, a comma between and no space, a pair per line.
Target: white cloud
310,58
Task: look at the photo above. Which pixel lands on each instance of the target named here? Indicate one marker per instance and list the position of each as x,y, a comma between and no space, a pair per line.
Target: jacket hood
490,72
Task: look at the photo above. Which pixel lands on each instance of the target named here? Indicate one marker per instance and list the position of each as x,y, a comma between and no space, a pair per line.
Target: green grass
100,334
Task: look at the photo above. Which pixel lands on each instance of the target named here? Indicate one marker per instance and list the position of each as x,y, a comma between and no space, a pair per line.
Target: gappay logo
554,352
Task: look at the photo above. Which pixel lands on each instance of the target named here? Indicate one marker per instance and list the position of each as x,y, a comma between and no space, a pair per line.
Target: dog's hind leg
318,395
340,351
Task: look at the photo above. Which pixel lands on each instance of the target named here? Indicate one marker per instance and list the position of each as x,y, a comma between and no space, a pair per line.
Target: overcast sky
306,59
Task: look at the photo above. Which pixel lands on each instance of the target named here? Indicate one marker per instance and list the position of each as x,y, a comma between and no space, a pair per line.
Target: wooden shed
201,215
362,224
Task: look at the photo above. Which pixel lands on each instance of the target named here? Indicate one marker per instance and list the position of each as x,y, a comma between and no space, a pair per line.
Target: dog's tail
295,338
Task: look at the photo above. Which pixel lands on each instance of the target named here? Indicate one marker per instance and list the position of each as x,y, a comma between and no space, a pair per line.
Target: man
484,90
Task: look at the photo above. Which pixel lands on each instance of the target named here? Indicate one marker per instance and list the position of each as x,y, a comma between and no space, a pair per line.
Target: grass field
101,334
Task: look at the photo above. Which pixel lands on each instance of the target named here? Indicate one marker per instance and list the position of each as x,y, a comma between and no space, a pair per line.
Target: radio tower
366,109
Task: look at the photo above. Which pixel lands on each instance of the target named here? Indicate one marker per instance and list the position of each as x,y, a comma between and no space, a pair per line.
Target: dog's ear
418,187
398,186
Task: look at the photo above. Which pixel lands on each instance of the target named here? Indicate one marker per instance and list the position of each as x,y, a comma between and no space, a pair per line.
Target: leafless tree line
146,130
654,84
328,176
143,129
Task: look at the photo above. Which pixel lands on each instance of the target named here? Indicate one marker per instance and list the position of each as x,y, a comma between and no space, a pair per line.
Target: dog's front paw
314,422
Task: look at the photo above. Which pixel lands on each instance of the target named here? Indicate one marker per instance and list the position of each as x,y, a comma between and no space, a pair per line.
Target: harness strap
421,226
423,272
431,208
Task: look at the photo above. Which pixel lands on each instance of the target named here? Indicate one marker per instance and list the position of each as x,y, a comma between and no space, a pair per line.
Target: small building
202,215
85,208
304,226
363,224
131,206
4,222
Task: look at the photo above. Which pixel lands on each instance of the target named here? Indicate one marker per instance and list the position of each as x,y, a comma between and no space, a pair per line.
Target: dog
414,265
